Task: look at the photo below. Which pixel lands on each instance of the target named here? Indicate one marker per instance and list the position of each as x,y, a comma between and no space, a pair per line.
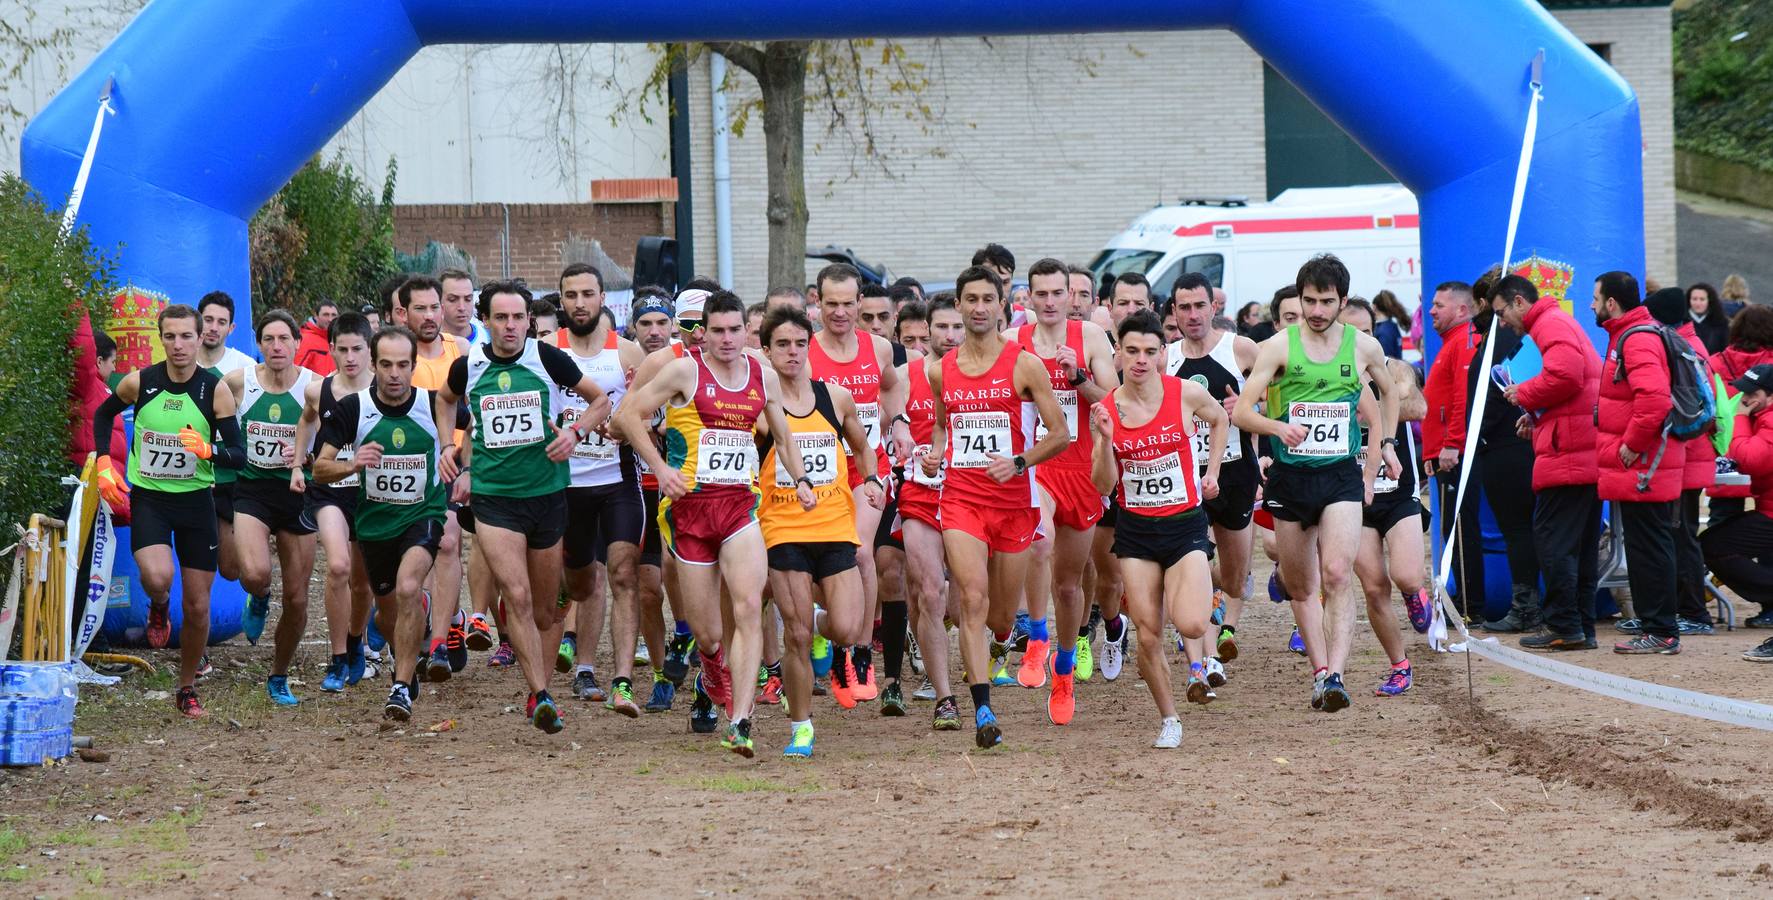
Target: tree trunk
783,89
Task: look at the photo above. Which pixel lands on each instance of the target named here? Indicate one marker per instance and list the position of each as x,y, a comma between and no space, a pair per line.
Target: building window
1604,51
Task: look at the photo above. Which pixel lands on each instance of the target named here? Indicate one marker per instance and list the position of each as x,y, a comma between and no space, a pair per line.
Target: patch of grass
14,873
260,856
165,870
1499,680
92,875
645,768
12,843
79,836
169,833
751,784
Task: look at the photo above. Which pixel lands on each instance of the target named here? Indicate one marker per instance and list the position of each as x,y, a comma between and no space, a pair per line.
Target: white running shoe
927,692
1169,737
916,654
641,656
1114,653
1215,673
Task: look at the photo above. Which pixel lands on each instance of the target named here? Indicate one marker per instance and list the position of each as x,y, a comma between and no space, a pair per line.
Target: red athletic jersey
861,376
1156,459
1076,454
920,408
986,418
649,481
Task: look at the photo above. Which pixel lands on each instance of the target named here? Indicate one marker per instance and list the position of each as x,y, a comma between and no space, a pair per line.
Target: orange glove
111,484
195,443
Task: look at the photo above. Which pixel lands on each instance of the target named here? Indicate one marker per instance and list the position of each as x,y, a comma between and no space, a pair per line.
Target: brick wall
538,230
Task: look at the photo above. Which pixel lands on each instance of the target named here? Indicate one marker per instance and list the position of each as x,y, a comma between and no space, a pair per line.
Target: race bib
869,413
725,456
593,446
1149,484
976,437
164,456
914,468
399,480
1326,429
1068,406
265,441
1203,442
511,420
1385,482
818,454
346,454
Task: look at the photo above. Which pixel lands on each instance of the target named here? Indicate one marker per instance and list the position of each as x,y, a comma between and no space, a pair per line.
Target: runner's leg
1232,550
1297,561
295,556
1369,568
923,559
744,580
194,630
408,607
252,553
968,569
793,592
339,594
1144,593
446,577
507,557
1338,536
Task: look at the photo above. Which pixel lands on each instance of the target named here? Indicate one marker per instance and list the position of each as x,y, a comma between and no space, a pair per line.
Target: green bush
1723,80
46,283
325,235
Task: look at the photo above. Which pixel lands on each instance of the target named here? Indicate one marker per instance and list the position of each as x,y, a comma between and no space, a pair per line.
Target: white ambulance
1251,249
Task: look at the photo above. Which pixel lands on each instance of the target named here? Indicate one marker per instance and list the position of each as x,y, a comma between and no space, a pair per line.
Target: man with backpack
1693,616
1640,462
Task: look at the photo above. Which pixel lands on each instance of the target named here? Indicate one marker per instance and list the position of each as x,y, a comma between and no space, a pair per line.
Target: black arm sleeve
463,420
338,426
103,421
560,366
230,451
458,377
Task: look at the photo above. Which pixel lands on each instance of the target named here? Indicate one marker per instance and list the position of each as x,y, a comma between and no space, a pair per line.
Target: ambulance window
1211,265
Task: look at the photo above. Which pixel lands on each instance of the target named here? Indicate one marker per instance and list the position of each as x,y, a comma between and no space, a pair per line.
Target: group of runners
800,497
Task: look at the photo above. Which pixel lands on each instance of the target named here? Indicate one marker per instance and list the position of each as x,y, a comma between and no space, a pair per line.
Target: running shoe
1114,653
480,636
543,714
277,688
892,701
1197,684
1546,640
1000,671
356,662
716,680
738,738
585,687
1760,654
1317,689
841,674
1629,626
1276,593
1296,643
1335,695
1691,626
437,665
1019,633
771,694
1396,682
947,717
927,692
677,657
1218,615
186,702
641,657
1648,643
986,732
159,625
334,682
1421,613
664,692
621,699
456,641
252,621
862,684
1169,736
204,667
1085,664
1215,673
1062,700
800,743
821,656
915,652
703,718
1227,646
567,657
399,705
502,658
373,636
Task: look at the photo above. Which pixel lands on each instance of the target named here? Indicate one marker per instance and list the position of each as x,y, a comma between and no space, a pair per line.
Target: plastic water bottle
36,712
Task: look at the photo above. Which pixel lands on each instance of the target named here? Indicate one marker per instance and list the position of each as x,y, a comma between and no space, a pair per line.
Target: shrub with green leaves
325,235
46,284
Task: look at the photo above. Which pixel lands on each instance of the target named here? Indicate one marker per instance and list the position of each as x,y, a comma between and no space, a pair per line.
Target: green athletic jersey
1322,396
511,402
268,421
404,489
157,459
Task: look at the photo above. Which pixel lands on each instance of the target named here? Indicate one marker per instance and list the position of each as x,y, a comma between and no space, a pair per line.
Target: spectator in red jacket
86,392
1736,546
1443,435
1669,307
315,352
1750,344
1640,466
1559,408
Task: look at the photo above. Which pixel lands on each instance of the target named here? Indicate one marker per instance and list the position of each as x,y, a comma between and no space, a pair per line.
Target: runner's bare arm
309,423
1034,385
787,449
894,391
1271,357
1099,360
1371,357
328,468
1367,410
673,377
1102,455
1411,405
450,461
1198,402
856,436
932,460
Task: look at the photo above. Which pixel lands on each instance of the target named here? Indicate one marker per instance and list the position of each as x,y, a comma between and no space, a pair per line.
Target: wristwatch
1078,377
806,481
1391,440
901,417
1021,464
877,482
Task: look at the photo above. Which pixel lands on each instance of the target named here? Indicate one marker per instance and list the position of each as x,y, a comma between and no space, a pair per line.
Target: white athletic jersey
1224,356
231,361
596,460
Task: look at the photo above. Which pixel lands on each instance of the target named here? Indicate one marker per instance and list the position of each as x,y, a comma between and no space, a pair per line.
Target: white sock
795,726
582,668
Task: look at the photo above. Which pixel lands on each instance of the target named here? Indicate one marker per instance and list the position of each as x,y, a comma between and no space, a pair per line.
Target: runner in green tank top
268,496
400,502
181,411
1312,377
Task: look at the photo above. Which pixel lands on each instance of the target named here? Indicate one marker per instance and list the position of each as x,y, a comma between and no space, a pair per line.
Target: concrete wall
538,232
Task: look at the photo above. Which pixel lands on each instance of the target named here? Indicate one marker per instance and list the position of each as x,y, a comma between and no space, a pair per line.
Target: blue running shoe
985,731
663,693
277,686
1218,616
253,620
1297,643
543,714
334,682
1276,593
1335,695
1019,633
801,743
356,662
374,636
1396,682
821,655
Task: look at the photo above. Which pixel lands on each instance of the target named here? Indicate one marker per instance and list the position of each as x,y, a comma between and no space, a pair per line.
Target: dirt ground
1531,789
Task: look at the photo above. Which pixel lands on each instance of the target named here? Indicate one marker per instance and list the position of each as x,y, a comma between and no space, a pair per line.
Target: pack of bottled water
36,712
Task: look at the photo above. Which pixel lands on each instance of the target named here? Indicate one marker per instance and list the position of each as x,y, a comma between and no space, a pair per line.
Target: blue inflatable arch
219,102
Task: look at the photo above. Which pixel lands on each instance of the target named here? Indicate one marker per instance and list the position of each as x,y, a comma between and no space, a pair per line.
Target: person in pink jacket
1737,548
1669,307
1559,404
1640,466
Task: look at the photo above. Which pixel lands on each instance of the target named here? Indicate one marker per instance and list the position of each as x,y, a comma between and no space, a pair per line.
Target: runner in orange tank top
984,431
1079,363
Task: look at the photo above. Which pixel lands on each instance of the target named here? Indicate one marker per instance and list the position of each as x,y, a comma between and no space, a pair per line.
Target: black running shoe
704,719
1335,695
677,658
399,705
437,667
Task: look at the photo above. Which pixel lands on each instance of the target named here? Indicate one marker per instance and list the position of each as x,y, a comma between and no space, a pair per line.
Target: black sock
338,659
861,654
622,682
570,636
981,695
775,668
893,618
1229,628
1110,627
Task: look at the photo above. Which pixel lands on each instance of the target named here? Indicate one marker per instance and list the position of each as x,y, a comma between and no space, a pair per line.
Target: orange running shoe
188,704
1062,702
480,637
771,694
159,625
1033,672
843,672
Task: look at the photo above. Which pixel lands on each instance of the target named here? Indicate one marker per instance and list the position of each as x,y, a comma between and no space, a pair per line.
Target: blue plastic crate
31,748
